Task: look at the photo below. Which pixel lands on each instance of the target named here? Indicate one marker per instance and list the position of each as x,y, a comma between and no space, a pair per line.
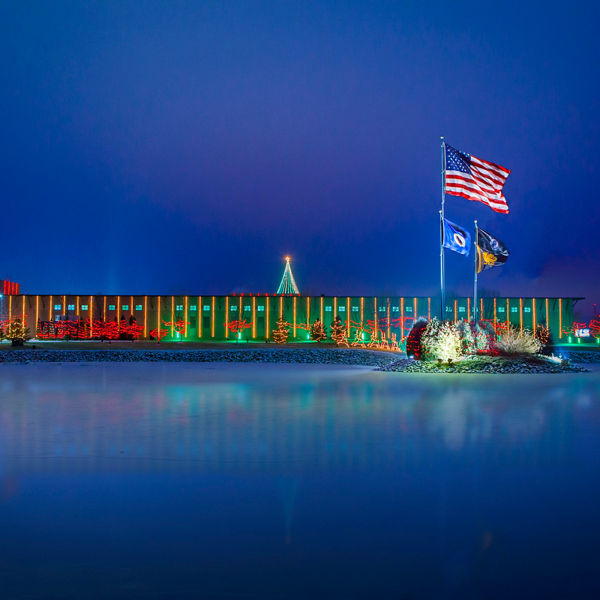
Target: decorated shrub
414,346
467,337
16,332
485,338
542,333
441,341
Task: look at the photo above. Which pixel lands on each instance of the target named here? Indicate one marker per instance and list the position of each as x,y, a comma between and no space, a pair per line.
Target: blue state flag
456,238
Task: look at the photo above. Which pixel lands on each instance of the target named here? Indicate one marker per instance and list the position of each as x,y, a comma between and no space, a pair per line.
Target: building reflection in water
402,474
180,421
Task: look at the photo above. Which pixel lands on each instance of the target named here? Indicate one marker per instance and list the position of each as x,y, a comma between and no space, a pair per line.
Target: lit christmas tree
317,331
282,333
288,284
338,332
16,332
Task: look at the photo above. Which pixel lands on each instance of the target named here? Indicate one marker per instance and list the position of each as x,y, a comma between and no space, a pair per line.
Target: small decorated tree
317,331
16,332
338,332
158,334
542,333
134,331
282,332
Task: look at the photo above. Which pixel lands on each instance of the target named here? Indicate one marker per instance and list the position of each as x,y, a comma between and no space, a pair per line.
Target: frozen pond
280,481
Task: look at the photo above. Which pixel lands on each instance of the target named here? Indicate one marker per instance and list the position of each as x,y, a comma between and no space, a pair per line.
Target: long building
253,317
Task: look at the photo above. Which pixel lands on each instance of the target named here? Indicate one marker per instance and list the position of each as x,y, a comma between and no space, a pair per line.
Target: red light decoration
178,326
237,326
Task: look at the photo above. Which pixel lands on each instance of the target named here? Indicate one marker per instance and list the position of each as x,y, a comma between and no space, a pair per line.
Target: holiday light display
238,326
288,283
338,332
317,331
204,318
15,331
281,333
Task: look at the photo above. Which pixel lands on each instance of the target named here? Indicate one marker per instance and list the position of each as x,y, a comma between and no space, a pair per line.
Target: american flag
475,179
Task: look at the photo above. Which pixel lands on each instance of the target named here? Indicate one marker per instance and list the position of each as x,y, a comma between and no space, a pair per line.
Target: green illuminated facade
253,317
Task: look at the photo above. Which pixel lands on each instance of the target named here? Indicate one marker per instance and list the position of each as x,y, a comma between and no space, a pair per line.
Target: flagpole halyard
442,215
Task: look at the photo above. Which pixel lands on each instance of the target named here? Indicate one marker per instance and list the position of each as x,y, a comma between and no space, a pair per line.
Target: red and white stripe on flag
480,181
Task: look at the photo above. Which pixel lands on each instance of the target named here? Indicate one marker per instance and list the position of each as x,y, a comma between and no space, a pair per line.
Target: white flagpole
442,265
475,277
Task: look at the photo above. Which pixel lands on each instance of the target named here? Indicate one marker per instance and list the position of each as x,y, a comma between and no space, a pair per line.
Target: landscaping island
488,364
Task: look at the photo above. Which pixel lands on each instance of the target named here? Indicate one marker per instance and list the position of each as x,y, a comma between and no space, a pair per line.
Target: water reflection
356,482
286,424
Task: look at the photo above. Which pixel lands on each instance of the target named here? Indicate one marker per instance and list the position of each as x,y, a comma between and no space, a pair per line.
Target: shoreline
379,360
312,355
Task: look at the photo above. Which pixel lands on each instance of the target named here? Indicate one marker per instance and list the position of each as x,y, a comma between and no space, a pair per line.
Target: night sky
186,147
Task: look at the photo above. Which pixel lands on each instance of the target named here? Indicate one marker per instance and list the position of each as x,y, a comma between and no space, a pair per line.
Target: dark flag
456,238
491,252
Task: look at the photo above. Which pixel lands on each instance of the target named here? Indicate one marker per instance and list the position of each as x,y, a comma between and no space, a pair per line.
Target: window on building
193,307
125,307
342,308
527,309
57,306
448,309
461,309
111,307
177,307
355,309
84,307
395,309
260,308
138,307
71,307
408,308
328,309
514,309
206,307
247,308
382,309
501,309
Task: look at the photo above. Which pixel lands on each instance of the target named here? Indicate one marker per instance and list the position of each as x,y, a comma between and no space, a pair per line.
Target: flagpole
475,271
442,214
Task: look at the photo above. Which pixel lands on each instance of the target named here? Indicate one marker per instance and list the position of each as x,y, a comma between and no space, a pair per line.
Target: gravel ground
475,364
336,356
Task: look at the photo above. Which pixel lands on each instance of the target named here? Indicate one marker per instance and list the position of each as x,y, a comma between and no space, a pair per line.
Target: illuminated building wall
214,318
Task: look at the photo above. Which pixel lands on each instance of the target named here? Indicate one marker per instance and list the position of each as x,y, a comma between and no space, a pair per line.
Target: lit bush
515,341
16,332
542,333
485,338
414,347
441,341
467,337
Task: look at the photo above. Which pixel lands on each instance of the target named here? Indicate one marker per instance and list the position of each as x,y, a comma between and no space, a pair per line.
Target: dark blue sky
186,147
